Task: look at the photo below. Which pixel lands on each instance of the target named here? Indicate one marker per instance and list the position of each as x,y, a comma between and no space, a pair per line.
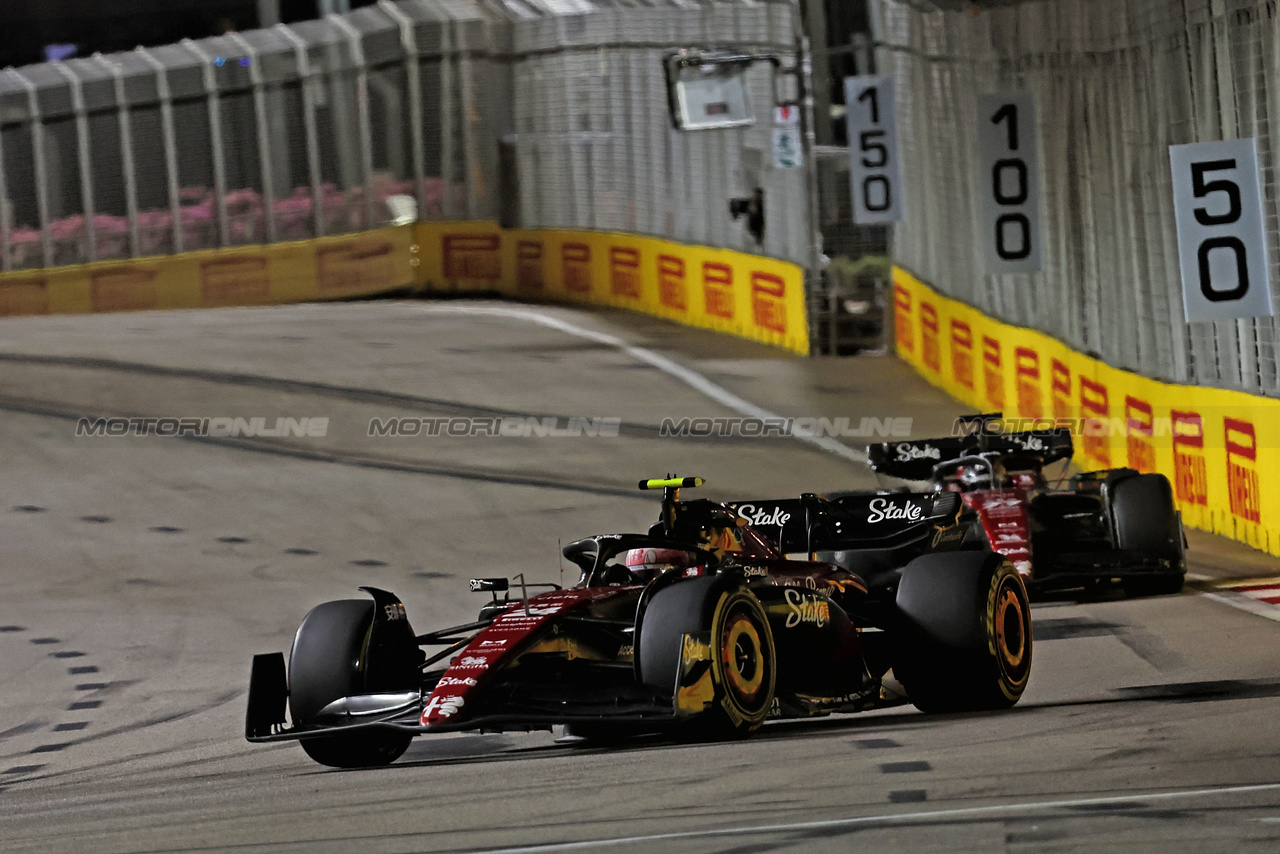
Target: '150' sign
873,146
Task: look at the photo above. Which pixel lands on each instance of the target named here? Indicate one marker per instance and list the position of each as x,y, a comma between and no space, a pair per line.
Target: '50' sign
1222,247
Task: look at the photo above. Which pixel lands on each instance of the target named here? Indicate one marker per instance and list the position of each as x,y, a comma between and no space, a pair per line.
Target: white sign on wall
1009,183
786,148
875,171
708,91
1222,247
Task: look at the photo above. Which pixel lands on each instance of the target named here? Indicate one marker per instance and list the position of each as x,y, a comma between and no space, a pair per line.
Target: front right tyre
329,660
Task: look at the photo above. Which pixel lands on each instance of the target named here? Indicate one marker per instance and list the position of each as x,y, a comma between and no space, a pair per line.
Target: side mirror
946,504
482,585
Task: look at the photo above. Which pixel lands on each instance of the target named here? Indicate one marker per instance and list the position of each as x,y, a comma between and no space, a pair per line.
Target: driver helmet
648,564
719,539
712,526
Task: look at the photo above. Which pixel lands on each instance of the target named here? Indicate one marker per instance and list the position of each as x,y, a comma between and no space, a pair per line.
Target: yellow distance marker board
1215,446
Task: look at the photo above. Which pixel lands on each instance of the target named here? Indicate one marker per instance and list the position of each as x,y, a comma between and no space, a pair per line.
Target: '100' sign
1008,181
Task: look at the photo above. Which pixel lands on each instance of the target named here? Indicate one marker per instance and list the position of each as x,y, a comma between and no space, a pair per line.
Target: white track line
888,818
689,377
1227,596
1244,603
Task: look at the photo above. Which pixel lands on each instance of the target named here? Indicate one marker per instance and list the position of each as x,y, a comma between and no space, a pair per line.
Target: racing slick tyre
1147,523
966,645
732,693
328,662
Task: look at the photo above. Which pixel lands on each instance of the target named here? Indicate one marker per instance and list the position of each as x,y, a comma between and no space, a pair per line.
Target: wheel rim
742,656
744,659
1012,638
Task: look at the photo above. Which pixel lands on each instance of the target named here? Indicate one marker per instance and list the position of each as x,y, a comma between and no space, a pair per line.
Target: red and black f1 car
1112,527
707,624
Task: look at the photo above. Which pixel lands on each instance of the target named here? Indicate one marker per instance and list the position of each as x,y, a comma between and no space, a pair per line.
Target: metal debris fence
539,113
1116,82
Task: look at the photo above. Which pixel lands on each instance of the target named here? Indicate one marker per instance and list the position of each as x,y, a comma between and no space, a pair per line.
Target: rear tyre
970,647
1147,523
743,666
745,663
328,661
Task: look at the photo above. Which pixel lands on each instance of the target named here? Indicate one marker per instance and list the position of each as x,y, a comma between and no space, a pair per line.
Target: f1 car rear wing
812,523
916,460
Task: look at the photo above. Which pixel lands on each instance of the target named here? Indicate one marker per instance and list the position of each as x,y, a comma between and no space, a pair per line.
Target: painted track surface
141,573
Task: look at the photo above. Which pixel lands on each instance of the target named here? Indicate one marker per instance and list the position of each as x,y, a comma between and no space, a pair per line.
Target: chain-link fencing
1116,82
848,309
538,113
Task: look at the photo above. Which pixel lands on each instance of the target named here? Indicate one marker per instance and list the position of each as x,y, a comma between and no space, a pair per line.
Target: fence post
465,95
6,260
264,145
808,141
413,83
578,189
308,124
127,163
215,140
448,55
82,159
38,161
170,141
362,111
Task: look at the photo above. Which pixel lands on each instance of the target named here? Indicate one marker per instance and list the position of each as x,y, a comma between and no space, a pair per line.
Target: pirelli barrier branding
1220,449
330,268
745,295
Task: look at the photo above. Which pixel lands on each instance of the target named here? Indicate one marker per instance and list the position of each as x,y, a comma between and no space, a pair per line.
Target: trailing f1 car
705,624
1117,526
